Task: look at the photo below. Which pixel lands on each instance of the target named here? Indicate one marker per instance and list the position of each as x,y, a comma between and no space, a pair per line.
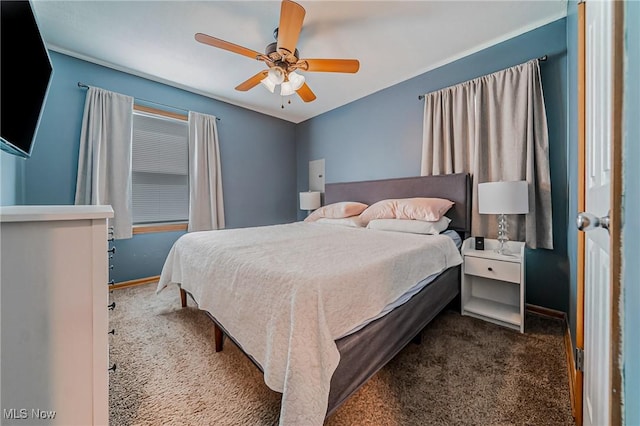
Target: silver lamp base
502,235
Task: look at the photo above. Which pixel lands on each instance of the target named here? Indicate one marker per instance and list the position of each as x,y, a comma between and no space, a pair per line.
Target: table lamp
503,198
309,200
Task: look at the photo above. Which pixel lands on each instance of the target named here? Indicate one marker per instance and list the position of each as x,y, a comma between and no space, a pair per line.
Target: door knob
587,222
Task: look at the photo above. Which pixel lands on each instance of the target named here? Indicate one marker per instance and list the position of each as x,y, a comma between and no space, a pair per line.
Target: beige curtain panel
495,128
104,160
206,205
449,130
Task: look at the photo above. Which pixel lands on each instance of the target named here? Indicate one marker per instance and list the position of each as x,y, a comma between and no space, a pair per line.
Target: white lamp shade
270,85
296,80
503,197
309,200
286,89
276,75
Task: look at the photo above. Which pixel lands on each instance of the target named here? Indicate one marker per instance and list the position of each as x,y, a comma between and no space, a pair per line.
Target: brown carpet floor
465,372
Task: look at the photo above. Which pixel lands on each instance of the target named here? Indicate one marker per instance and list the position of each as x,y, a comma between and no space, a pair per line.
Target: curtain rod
84,86
541,59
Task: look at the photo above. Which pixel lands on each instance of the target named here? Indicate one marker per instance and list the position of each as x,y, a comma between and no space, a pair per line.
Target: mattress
412,291
287,292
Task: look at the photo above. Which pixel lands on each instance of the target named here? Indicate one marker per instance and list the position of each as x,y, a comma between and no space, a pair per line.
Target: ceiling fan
282,57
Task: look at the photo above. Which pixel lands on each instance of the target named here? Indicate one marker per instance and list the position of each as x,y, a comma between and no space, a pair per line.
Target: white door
597,298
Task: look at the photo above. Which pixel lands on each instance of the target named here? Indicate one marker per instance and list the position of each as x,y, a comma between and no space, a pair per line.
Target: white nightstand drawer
493,269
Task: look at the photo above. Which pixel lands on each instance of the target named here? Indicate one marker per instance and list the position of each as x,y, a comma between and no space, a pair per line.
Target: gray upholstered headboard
455,187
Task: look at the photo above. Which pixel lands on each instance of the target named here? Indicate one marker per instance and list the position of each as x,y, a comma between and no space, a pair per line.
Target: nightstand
493,285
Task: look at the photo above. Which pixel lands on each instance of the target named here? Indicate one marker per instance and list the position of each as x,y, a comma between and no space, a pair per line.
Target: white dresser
54,317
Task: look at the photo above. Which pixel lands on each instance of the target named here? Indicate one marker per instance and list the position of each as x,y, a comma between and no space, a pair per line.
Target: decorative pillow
353,221
427,209
410,225
337,210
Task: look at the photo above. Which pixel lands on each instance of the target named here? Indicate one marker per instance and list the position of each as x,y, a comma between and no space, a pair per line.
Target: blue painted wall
380,136
631,221
257,156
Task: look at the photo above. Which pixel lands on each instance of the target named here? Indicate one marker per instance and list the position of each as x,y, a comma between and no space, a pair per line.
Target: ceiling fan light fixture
276,75
282,57
286,89
296,80
270,85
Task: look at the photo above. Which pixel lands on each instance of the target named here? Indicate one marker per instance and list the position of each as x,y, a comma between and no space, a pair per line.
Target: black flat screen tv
25,73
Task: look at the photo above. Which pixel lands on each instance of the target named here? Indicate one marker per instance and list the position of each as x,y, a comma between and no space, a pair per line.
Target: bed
298,333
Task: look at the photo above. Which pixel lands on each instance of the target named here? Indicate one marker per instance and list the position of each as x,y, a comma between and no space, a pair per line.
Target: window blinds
160,184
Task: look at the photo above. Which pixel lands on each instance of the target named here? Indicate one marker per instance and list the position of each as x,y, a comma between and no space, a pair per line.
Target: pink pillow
384,209
427,209
337,210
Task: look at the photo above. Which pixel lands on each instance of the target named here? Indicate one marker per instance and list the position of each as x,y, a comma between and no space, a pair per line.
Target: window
160,174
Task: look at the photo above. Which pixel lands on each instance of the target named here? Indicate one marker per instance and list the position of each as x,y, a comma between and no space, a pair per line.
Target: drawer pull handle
490,268
112,306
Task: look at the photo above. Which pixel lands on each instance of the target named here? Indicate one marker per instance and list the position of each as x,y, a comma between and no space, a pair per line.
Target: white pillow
410,225
353,221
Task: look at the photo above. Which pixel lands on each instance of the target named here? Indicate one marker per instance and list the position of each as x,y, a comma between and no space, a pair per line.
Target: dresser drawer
493,269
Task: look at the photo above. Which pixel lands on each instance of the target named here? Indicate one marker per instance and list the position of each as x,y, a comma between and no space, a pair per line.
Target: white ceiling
394,41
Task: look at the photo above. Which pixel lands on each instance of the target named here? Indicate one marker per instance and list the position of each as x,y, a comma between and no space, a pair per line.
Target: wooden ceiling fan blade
305,93
252,82
291,17
330,65
221,44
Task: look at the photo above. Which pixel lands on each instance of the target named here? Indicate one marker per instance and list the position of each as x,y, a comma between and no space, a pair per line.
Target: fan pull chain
282,102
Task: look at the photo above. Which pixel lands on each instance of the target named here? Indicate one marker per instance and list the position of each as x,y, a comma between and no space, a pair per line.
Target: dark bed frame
365,352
